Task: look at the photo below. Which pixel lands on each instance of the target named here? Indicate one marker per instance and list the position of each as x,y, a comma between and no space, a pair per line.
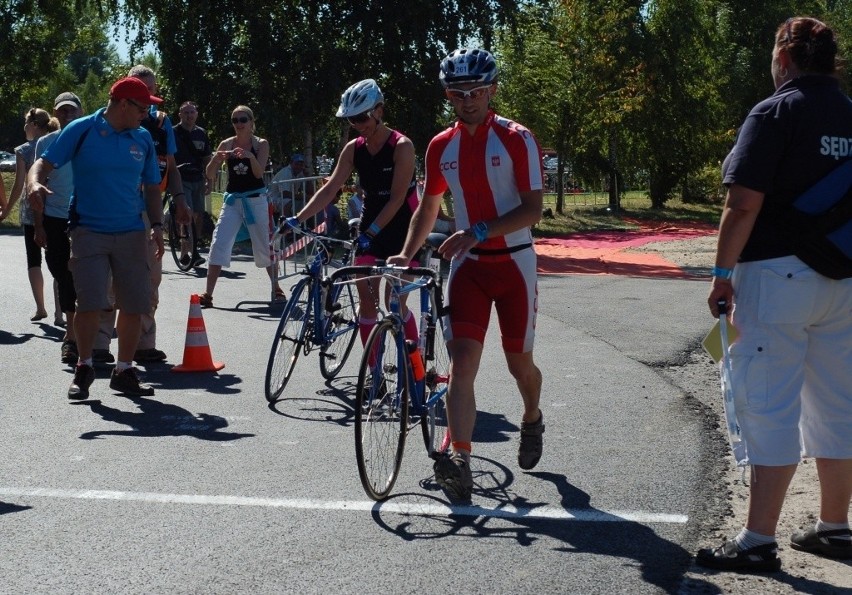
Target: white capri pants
231,218
792,362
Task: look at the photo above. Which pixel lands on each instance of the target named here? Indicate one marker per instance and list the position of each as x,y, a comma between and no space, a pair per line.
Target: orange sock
463,446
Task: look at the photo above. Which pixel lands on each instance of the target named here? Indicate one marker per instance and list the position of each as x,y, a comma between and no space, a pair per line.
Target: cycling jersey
485,173
376,177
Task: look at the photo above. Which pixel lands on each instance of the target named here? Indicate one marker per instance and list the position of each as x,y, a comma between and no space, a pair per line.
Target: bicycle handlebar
383,270
283,228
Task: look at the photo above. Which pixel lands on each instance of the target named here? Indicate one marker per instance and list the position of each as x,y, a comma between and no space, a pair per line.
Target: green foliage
291,60
48,48
703,186
632,92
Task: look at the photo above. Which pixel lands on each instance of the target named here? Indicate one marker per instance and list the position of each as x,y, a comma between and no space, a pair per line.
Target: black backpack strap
80,142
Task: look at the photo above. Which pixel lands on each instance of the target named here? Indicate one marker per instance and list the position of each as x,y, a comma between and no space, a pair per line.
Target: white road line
407,508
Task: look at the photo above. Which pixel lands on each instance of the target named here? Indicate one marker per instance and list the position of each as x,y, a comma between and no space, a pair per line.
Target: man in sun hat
116,178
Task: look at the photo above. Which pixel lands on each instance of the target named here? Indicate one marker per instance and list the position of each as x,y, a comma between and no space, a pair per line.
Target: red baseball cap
133,88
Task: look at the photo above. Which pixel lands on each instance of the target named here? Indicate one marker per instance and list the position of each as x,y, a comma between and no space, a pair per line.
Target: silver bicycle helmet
359,98
468,65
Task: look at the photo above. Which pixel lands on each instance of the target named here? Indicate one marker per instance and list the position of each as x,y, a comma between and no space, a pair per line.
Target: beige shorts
95,255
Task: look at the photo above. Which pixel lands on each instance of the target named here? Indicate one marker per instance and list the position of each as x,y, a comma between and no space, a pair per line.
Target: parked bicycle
318,314
182,239
400,383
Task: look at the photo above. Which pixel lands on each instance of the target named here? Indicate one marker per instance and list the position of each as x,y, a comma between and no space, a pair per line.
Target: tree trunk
614,190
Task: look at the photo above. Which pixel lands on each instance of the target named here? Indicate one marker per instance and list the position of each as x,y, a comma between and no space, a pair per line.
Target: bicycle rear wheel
182,242
289,340
436,432
340,330
381,410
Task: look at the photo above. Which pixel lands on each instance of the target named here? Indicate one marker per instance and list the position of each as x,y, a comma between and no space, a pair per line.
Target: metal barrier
300,191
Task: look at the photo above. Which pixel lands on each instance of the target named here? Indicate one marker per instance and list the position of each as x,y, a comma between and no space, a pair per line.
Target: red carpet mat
605,252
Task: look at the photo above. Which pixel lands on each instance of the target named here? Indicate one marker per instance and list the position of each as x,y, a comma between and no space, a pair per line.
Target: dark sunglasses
240,120
360,118
142,108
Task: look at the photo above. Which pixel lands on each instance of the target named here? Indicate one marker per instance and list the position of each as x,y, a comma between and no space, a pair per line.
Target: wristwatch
479,231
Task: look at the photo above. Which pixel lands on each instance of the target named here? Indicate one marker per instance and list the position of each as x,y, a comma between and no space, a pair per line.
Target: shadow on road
6,508
155,419
49,332
590,531
316,406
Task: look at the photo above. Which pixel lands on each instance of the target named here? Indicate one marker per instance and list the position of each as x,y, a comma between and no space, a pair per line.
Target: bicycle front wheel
182,242
381,410
436,432
289,340
340,330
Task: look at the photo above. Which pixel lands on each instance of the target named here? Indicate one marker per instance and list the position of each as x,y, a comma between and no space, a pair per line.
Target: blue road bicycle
400,384
317,315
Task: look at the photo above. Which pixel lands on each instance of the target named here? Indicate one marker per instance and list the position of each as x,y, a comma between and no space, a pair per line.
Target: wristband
721,273
156,224
374,229
480,231
178,194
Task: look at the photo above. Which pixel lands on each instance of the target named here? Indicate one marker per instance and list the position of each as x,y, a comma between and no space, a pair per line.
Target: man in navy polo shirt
116,179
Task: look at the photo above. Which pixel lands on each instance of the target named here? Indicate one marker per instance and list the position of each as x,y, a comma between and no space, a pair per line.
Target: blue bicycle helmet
468,65
360,97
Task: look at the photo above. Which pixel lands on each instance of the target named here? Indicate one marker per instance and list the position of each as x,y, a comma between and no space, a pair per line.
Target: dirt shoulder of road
800,572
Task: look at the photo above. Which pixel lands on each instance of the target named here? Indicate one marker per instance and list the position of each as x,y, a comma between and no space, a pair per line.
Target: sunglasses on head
461,94
360,118
240,120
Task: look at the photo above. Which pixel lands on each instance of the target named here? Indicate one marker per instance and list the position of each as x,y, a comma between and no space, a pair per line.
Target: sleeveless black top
240,176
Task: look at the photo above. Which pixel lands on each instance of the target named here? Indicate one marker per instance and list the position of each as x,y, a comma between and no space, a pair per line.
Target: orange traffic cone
196,352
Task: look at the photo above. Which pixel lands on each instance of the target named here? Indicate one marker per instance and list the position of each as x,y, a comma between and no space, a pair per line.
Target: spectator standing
110,155
192,156
245,201
160,128
51,222
792,362
355,203
37,123
287,194
496,183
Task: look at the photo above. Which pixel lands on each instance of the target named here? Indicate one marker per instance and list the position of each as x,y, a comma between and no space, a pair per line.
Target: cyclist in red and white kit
492,166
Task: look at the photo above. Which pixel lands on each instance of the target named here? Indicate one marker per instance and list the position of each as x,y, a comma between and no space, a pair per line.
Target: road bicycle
400,383
318,314
182,239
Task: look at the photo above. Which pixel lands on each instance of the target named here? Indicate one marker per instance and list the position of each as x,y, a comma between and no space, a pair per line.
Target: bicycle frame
182,238
319,318
398,388
426,281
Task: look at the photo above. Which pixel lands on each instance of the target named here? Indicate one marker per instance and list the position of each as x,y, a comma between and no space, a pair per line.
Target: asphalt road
203,488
